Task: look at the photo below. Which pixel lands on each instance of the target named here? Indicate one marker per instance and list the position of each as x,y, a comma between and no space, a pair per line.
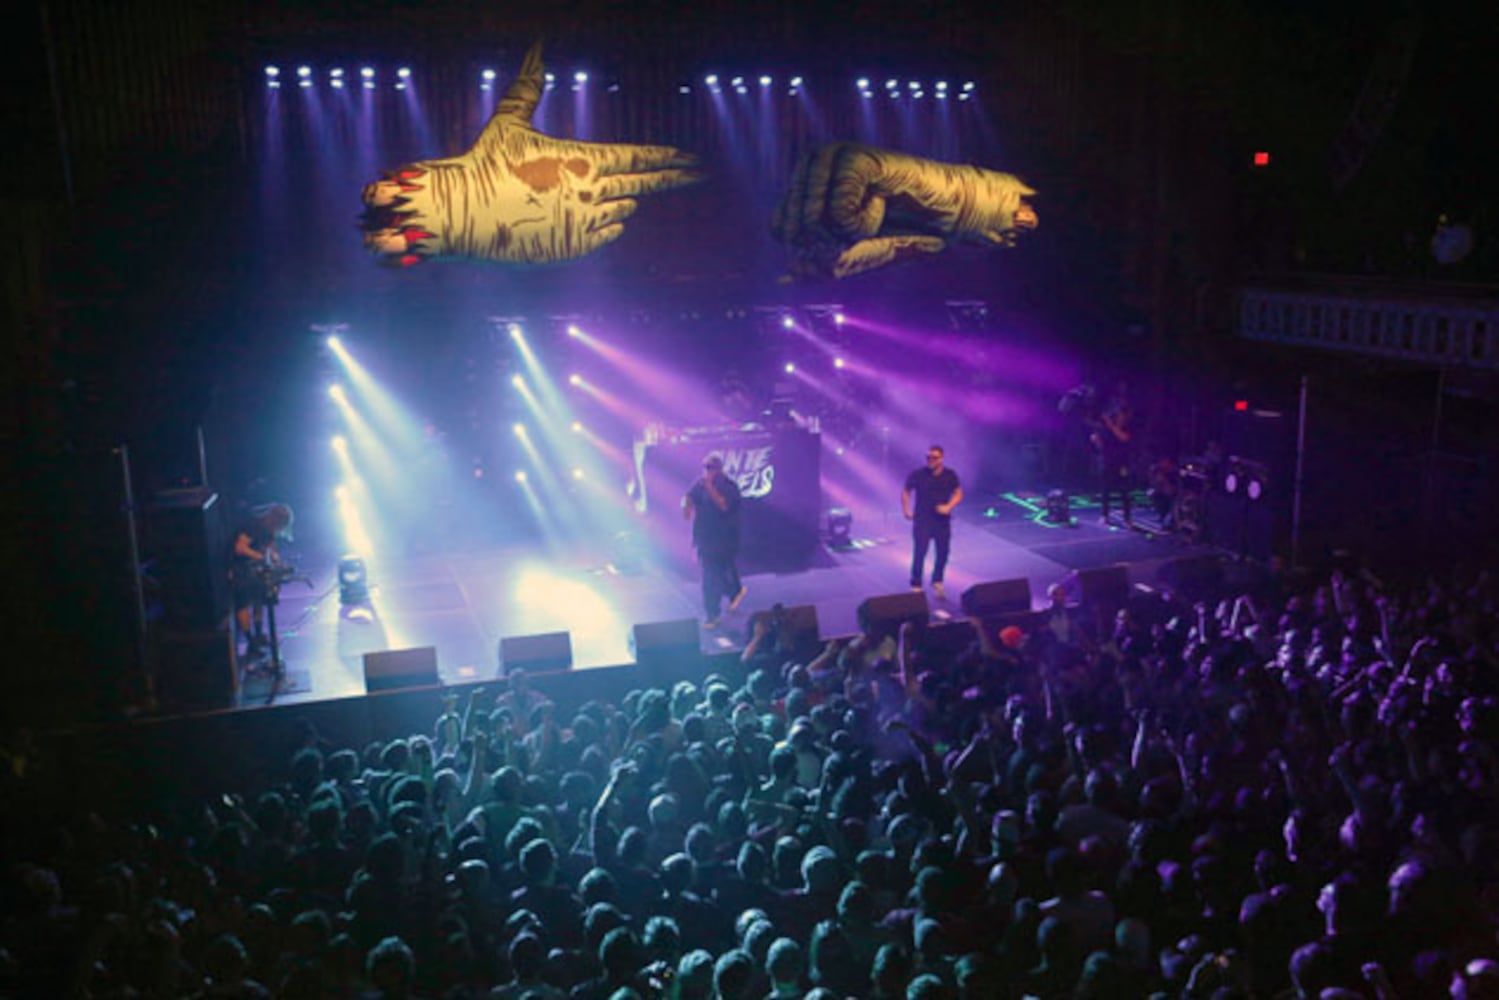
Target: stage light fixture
353,580
340,443
520,430
862,83
941,95
684,89
577,427
891,84
551,78
369,85
970,86
918,95
337,84
404,72
340,492
787,322
401,85
963,97
367,72
941,84
790,368
336,391
796,81
738,81
517,381
573,331
336,73
840,527
273,71
765,81
304,71
580,77
514,329
486,86
839,319
741,89
488,74
520,475
866,94
1058,507
839,363
711,79
575,379
912,85
273,84
577,473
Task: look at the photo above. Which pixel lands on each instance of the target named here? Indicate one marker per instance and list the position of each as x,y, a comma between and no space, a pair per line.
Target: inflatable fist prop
517,196
853,208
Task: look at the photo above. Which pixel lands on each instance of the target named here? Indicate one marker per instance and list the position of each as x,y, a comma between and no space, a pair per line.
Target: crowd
1291,793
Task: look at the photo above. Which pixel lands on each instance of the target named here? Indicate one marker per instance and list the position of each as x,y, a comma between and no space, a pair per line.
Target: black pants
1118,478
720,580
923,534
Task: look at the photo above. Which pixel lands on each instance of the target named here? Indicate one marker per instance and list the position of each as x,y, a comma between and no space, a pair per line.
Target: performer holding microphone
931,493
254,551
712,505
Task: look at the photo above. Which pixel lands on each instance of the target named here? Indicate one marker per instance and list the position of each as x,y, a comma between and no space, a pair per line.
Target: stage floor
463,603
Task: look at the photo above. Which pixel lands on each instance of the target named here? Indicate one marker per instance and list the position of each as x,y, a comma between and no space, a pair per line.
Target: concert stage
463,603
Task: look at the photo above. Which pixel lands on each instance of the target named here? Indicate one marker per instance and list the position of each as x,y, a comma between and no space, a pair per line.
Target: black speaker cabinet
659,640
536,653
1103,588
1001,597
799,622
393,669
186,544
195,668
882,616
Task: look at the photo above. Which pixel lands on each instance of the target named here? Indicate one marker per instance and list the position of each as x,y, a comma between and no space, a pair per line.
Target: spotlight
840,527
738,81
336,391
520,430
367,72
684,89
273,71
839,363
741,89
941,85
963,97
577,427
891,84
941,95
514,329
575,379
969,87
273,84
304,83
404,72
551,78
340,443
369,85
517,381
787,322
336,73
863,83
580,77
353,581
577,473
340,492
711,79
338,84
866,94
488,74
796,81
520,475
765,81
573,331
912,85
401,85
839,319
304,71
918,95
790,368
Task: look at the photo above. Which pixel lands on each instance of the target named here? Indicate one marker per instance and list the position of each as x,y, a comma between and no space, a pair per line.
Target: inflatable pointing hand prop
853,208
517,196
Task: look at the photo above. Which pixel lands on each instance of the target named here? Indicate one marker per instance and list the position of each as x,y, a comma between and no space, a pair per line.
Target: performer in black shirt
1114,439
712,505
927,501
255,548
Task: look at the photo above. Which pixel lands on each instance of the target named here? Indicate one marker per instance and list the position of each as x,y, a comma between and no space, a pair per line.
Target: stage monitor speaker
187,545
1105,588
393,669
195,668
882,616
1195,578
799,621
660,640
535,653
1001,597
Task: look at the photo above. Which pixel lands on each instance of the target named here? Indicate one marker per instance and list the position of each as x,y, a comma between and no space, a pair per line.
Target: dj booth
779,475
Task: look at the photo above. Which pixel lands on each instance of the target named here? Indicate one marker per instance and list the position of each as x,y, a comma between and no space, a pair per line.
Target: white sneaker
940,591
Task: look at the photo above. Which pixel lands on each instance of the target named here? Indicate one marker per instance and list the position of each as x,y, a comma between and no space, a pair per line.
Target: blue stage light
519,429
404,72
891,84
580,77
339,443
941,84
514,329
796,81
862,83
577,473
711,79
912,85
337,392
577,427
520,475
684,89
336,73
839,319
551,78
488,74
575,379
338,84
304,71
839,363
401,85
304,83
273,71
738,81
918,95
790,368
517,381
787,322
369,85
765,81
970,86
273,84
368,72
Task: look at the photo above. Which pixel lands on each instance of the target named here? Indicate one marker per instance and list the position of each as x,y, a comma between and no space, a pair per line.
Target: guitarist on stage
254,552
1113,439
